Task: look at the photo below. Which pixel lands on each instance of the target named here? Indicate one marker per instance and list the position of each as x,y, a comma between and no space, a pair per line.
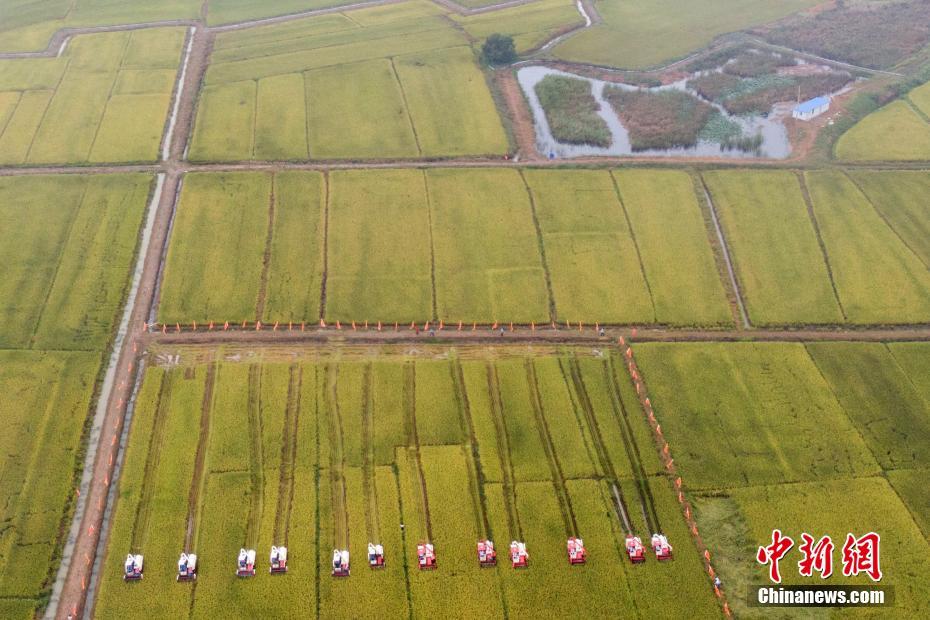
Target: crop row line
805,193
288,456
198,480
256,458
470,448
413,439
508,486
337,457
369,486
153,456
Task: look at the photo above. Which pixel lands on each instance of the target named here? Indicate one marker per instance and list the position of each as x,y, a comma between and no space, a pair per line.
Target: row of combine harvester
426,557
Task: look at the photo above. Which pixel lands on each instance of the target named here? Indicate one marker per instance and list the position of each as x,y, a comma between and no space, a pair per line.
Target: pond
775,143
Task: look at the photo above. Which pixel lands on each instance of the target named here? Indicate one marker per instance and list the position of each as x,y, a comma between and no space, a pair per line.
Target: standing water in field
771,131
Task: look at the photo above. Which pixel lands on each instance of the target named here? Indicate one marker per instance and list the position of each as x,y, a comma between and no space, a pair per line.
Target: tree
498,49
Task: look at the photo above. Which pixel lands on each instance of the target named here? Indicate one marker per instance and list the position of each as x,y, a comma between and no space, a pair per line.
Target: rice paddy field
333,450
482,245
385,83
897,132
825,438
655,32
105,99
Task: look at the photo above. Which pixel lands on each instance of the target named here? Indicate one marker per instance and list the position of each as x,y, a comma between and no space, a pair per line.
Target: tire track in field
413,437
555,467
337,460
317,535
647,501
553,315
256,459
808,201
403,96
432,244
403,547
152,459
575,381
369,483
472,457
266,257
199,477
503,450
282,523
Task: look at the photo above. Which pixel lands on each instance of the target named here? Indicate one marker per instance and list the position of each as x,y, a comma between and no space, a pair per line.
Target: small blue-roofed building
809,109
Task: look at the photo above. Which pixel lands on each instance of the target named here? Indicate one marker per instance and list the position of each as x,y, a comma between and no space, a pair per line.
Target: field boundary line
288,457
266,256
508,483
316,490
48,105
812,215
910,102
413,439
540,242
327,184
432,244
403,96
61,255
199,477
887,222
639,254
721,238
303,81
555,467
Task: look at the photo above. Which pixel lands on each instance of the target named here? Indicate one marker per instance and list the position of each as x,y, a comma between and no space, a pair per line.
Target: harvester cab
133,568
487,556
577,554
278,560
187,567
426,556
519,558
245,566
341,563
375,556
635,549
661,547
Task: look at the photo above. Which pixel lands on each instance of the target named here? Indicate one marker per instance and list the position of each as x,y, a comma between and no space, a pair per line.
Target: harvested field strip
256,460
337,459
503,449
413,440
475,471
369,487
632,449
558,478
156,438
573,373
199,478
288,457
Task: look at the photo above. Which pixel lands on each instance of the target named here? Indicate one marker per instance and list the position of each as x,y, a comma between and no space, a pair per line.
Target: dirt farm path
87,539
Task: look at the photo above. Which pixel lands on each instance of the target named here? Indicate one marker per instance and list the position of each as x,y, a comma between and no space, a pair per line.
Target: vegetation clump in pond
757,95
571,111
659,119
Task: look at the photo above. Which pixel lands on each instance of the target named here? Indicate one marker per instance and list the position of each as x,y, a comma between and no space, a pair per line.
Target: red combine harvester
132,568
187,567
519,558
635,549
426,556
341,563
487,556
577,554
375,556
245,566
278,560
661,546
